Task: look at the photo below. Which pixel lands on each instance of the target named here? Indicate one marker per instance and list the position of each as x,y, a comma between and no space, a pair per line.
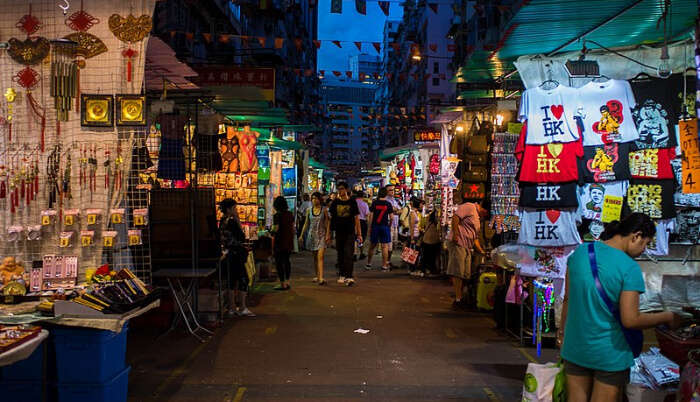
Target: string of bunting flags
361,6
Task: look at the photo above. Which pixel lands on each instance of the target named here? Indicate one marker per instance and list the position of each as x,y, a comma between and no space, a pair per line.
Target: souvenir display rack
505,191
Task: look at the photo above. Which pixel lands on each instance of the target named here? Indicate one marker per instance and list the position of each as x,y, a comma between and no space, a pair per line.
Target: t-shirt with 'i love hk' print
550,115
548,227
548,163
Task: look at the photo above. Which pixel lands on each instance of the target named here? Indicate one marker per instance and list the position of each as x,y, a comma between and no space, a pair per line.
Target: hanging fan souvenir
130,30
30,52
87,45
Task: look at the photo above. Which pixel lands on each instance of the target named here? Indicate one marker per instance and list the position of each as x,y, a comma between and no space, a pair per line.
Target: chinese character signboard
425,136
260,82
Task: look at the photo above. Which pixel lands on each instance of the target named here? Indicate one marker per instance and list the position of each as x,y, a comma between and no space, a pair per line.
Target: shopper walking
463,238
414,232
431,245
346,224
380,216
391,197
316,233
603,283
283,240
234,258
302,211
364,211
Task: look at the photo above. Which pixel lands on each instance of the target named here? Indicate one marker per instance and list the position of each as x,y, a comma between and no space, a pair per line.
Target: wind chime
542,302
30,52
87,44
64,77
130,30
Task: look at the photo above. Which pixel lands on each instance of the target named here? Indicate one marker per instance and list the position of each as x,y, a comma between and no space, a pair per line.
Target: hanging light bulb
664,70
499,119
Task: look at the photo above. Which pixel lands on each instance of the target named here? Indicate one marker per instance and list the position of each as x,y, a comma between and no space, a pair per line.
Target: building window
436,68
436,81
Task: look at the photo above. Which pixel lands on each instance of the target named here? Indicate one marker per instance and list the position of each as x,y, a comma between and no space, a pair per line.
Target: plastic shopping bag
544,383
250,267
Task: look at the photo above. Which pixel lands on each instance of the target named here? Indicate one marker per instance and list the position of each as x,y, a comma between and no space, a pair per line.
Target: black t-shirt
652,197
343,215
381,210
549,195
603,163
659,104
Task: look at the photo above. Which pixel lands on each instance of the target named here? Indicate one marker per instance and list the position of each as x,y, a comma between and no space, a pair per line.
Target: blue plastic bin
88,355
29,369
21,391
113,390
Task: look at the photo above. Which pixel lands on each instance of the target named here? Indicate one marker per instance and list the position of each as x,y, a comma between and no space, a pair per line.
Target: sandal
321,282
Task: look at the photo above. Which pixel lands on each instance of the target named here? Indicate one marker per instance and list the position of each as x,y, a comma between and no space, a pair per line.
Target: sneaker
314,280
368,267
341,279
386,269
413,273
420,274
349,282
246,313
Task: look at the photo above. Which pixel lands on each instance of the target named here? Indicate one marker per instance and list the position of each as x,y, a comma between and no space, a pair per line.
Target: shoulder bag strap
598,285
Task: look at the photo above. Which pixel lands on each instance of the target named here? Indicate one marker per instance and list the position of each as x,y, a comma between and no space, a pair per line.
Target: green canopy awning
279,143
317,165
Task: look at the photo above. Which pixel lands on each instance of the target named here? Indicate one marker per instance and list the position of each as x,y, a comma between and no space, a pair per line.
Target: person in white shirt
391,189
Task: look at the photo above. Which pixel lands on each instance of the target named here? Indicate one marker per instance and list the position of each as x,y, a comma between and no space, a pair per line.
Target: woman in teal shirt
596,354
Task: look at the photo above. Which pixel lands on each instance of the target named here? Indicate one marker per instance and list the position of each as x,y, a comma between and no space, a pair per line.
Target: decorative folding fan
130,30
89,45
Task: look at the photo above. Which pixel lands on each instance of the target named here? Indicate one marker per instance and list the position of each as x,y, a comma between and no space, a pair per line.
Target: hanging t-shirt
548,195
549,262
550,227
652,197
652,163
604,163
680,198
548,163
659,246
659,104
591,229
592,196
550,115
606,112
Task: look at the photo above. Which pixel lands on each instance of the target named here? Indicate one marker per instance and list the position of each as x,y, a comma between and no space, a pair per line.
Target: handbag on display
475,173
478,144
479,160
409,255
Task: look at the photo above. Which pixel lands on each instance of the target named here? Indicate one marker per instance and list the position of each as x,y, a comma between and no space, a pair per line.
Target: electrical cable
620,54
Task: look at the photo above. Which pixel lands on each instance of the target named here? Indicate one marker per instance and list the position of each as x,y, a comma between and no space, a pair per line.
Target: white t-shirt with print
550,262
592,195
606,112
659,246
549,114
548,227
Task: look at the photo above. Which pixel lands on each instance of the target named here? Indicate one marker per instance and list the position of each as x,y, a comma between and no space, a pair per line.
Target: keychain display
48,217
542,304
70,216
117,216
65,240
87,237
141,217
14,233
135,237
34,233
109,238
505,190
93,216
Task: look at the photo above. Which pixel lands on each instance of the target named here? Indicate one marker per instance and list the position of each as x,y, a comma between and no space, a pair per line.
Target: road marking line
271,330
491,395
181,369
239,394
450,333
527,355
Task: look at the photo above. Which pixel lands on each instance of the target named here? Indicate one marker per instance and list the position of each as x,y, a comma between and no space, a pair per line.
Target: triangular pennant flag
402,77
337,6
337,43
451,48
262,40
359,45
390,75
376,76
361,6
172,34
377,46
433,47
384,5
337,73
321,72
434,7
225,38
426,77
308,72
244,41
297,71
317,43
207,37
298,42
279,42
349,74
189,36
362,76
395,45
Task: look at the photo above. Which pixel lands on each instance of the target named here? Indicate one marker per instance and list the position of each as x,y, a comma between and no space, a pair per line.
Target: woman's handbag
634,337
409,255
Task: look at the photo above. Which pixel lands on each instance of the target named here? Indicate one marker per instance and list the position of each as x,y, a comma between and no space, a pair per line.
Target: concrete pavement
301,347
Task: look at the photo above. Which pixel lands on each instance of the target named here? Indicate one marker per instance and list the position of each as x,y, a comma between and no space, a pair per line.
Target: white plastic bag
539,382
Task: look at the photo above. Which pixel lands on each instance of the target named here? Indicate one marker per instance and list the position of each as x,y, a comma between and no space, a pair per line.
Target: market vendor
601,311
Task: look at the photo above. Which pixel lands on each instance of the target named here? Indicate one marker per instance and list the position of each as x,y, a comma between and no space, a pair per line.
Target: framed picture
131,110
96,110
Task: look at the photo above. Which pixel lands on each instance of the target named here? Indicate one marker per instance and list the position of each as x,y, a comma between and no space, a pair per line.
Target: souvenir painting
96,110
130,110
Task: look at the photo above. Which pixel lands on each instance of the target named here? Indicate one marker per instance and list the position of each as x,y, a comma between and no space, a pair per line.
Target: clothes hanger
549,83
602,77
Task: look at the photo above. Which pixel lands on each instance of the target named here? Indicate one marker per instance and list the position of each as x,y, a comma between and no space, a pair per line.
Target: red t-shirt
548,163
653,163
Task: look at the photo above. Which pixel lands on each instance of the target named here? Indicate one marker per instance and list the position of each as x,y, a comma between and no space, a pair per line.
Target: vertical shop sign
263,154
289,182
690,147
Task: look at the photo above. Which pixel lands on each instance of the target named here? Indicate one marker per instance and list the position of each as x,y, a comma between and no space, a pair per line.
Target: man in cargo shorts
463,238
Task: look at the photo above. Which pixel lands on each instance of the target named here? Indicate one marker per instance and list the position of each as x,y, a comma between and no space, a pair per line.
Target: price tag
690,145
690,169
612,208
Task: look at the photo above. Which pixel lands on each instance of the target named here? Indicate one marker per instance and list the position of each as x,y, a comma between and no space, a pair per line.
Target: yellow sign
612,208
134,240
68,220
139,220
690,145
116,219
91,219
86,241
108,242
690,168
45,220
65,242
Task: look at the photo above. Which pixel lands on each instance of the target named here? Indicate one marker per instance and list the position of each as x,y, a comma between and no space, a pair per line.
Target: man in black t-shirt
380,216
345,218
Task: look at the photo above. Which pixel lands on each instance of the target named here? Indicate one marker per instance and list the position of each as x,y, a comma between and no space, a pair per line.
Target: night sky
350,26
